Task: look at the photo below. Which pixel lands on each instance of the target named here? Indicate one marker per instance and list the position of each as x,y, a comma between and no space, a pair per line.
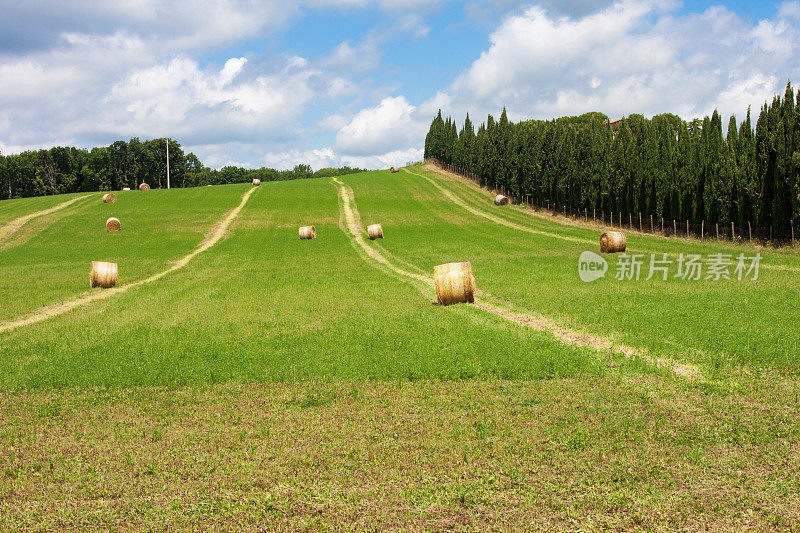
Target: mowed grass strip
158,226
11,229
597,453
19,207
774,258
263,305
714,323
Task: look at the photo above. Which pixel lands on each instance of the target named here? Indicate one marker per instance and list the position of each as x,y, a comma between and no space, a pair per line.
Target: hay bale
454,283
103,274
308,232
612,242
394,169
501,200
113,224
144,187
256,182
375,231
109,198
126,188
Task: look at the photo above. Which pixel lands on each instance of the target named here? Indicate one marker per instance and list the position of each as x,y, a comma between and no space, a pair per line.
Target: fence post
640,221
733,232
791,223
594,214
687,228
750,231
586,218
674,228
702,229
717,230
630,220
651,223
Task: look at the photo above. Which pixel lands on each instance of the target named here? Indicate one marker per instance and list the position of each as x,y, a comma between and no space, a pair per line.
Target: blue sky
356,82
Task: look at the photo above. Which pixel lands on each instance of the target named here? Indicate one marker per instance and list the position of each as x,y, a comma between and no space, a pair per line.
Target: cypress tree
746,155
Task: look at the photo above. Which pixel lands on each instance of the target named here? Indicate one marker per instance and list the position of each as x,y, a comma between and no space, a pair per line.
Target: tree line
664,166
60,170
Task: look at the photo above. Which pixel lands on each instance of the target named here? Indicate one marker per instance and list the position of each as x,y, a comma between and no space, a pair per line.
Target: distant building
613,124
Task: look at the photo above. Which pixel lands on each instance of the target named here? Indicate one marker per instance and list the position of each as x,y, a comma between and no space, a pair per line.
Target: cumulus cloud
385,160
390,124
634,56
317,158
327,157
198,105
100,71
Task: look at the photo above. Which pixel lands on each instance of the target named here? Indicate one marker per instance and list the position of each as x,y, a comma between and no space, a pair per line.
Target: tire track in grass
566,222
217,233
352,220
12,227
494,218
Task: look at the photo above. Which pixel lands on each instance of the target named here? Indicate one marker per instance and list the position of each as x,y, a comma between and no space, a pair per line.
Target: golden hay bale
126,188
612,241
109,198
375,231
113,224
454,283
500,200
256,182
394,169
144,187
103,274
308,232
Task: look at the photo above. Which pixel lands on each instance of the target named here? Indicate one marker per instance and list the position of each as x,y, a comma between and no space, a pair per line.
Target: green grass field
274,383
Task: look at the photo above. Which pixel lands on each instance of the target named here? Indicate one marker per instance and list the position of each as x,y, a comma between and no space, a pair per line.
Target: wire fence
638,221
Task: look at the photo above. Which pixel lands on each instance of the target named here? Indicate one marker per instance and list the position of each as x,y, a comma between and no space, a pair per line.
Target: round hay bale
394,169
308,232
144,187
103,274
126,188
113,224
454,283
256,182
500,200
612,242
109,198
375,231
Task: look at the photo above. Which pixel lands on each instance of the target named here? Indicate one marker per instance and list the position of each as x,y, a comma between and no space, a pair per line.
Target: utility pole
167,162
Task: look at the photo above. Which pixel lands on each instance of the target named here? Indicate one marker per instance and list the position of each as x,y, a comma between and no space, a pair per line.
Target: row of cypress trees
664,166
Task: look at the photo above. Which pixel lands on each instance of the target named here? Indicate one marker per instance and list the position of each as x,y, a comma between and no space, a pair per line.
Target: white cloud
318,158
390,125
327,157
635,56
386,160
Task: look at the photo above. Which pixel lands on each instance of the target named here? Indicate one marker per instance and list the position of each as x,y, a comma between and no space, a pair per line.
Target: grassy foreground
611,453
275,383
